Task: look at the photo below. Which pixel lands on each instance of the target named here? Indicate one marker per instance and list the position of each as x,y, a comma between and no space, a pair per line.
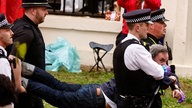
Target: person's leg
31,72
89,97
157,103
85,97
36,101
56,98
93,6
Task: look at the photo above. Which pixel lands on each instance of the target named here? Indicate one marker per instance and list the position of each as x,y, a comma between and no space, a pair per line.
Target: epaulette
2,54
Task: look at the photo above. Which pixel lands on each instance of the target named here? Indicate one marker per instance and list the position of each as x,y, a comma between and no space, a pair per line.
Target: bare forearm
17,76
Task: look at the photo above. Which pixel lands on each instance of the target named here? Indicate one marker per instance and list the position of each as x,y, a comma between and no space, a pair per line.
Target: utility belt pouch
136,101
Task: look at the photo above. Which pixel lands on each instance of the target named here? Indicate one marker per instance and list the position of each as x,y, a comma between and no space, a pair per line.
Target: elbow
159,77
159,74
21,89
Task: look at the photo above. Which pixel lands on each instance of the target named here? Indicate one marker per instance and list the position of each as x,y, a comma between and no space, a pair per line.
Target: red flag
12,9
3,6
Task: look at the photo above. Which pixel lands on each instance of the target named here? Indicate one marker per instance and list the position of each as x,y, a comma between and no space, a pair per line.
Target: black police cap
3,22
136,16
35,3
158,15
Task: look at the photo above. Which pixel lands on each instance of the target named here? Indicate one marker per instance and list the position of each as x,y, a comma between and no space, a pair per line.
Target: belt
130,96
100,100
133,97
135,101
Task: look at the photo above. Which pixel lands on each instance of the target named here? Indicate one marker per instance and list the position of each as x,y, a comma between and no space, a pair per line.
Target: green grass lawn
100,77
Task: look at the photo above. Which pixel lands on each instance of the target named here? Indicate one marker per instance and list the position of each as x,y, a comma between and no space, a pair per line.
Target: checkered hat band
4,22
145,18
36,3
157,17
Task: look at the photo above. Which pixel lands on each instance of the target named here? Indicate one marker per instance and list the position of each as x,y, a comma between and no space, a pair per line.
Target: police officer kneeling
136,74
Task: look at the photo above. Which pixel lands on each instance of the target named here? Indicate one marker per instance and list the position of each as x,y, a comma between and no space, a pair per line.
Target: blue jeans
63,95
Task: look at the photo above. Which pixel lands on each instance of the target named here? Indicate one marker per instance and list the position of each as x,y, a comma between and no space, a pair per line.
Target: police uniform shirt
108,90
137,57
109,101
11,105
4,64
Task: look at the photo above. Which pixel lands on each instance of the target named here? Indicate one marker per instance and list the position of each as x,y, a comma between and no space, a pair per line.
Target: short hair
156,49
7,91
130,25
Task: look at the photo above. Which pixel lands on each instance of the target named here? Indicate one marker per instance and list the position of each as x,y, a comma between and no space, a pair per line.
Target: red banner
12,9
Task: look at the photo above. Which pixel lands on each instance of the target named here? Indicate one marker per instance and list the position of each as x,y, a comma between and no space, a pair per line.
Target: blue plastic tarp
62,53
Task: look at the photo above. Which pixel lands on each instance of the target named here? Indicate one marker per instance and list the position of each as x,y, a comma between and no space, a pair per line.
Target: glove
167,70
182,97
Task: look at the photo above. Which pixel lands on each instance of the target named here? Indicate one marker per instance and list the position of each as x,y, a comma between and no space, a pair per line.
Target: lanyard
152,40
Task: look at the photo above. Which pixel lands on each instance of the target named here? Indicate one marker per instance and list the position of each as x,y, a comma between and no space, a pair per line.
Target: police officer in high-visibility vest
136,73
157,30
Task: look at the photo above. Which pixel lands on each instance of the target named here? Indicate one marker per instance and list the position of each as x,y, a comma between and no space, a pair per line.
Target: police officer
5,40
136,73
27,32
130,5
157,30
6,90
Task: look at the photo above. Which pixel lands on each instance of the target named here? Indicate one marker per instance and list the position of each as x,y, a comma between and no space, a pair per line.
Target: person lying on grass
61,94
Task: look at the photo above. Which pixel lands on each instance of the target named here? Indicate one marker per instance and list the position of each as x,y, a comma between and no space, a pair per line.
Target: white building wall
179,34
80,31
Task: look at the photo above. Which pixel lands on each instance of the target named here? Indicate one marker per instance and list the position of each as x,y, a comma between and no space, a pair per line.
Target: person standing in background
27,32
157,30
130,5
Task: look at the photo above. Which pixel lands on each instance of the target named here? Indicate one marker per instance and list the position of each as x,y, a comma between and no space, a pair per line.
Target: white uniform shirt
109,101
8,106
4,65
137,57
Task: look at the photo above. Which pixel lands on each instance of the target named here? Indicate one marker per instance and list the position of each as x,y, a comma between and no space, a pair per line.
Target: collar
154,39
30,21
5,52
130,36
